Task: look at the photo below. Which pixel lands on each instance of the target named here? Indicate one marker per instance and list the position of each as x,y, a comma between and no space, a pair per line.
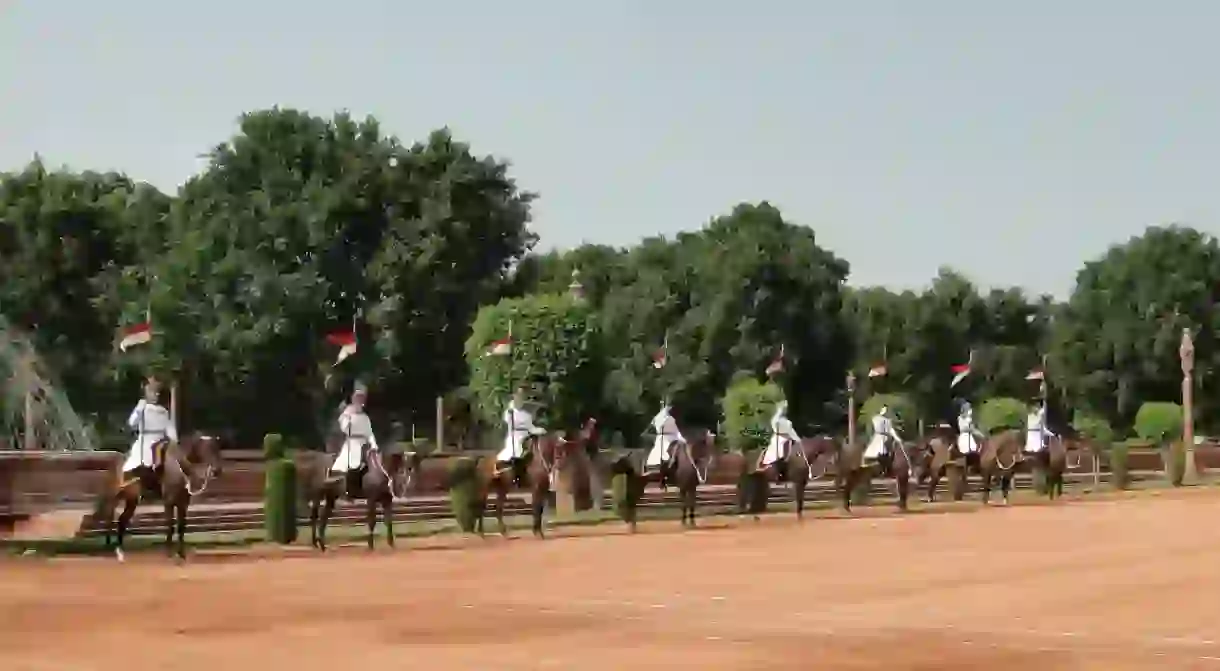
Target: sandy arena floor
1105,585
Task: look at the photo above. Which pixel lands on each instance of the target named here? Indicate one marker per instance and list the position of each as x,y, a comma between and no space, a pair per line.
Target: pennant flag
1036,374
345,340
136,334
777,365
503,346
878,371
960,372
661,356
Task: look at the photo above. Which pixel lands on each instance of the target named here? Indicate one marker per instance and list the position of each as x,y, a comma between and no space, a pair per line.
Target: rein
809,466
702,477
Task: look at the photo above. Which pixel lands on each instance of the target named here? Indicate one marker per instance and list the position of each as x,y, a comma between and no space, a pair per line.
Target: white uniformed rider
1036,432
153,426
783,436
357,431
883,432
518,427
968,437
666,428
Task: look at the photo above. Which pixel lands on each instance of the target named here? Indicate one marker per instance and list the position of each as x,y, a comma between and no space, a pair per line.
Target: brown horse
852,470
692,463
387,474
997,458
804,464
183,470
1061,453
544,459
931,458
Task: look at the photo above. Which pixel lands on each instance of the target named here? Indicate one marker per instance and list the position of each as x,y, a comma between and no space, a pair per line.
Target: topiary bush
626,488
902,411
748,406
1094,429
753,487
279,492
556,355
1159,422
1173,456
464,501
1120,477
1002,414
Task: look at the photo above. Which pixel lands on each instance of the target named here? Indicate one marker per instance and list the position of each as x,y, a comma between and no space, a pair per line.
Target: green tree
1116,341
902,410
555,354
1002,414
1159,422
66,241
748,406
301,225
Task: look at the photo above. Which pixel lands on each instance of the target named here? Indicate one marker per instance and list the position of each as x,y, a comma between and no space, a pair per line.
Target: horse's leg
986,476
902,481
314,505
182,509
105,516
537,506
387,516
691,497
370,517
169,525
328,506
1005,484
501,496
848,480
129,510
798,492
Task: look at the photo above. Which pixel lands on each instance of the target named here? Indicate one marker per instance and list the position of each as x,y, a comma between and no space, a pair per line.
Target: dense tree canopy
301,225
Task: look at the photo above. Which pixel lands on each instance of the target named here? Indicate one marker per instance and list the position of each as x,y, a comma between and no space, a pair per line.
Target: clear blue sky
1009,140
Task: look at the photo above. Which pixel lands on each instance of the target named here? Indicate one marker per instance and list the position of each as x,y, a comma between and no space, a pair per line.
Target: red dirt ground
1115,585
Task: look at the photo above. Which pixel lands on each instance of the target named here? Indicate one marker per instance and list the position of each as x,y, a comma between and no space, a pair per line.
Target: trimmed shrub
1120,478
1173,456
464,500
273,447
1002,414
1094,429
902,411
625,490
280,496
1159,422
748,406
862,493
753,488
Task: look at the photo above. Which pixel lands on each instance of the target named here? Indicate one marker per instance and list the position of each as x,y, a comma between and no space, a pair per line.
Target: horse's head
204,448
401,466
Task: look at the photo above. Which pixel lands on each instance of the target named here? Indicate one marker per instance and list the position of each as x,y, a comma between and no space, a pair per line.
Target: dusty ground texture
1106,585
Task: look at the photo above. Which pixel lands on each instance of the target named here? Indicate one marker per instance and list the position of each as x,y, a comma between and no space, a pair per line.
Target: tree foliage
1002,414
555,355
901,409
748,406
1159,422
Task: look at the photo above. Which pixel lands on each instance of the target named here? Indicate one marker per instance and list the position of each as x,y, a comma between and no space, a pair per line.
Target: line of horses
187,467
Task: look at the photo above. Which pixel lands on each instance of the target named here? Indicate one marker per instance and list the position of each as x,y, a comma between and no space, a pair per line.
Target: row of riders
175,470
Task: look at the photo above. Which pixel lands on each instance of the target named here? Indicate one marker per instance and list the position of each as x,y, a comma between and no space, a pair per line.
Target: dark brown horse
852,470
997,459
931,458
805,463
1061,453
692,463
545,457
183,470
387,474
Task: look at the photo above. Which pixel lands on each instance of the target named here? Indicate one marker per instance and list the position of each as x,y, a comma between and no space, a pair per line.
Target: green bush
1094,429
902,411
1159,422
1040,482
273,447
1002,414
753,488
280,501
464,500
1174,458
1120,477
748,406
625,490
862,493
556,356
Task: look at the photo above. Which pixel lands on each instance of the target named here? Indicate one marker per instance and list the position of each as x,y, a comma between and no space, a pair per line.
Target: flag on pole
137,334
661,356
345,340
878,370
960,371
777,365
503,346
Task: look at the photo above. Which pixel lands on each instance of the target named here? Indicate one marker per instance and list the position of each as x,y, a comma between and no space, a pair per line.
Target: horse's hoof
118,554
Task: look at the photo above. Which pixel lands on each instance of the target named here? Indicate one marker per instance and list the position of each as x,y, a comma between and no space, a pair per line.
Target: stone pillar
1186,352
851,408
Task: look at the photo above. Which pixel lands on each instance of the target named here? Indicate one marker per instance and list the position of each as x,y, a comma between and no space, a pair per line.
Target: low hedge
464,501
279,492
